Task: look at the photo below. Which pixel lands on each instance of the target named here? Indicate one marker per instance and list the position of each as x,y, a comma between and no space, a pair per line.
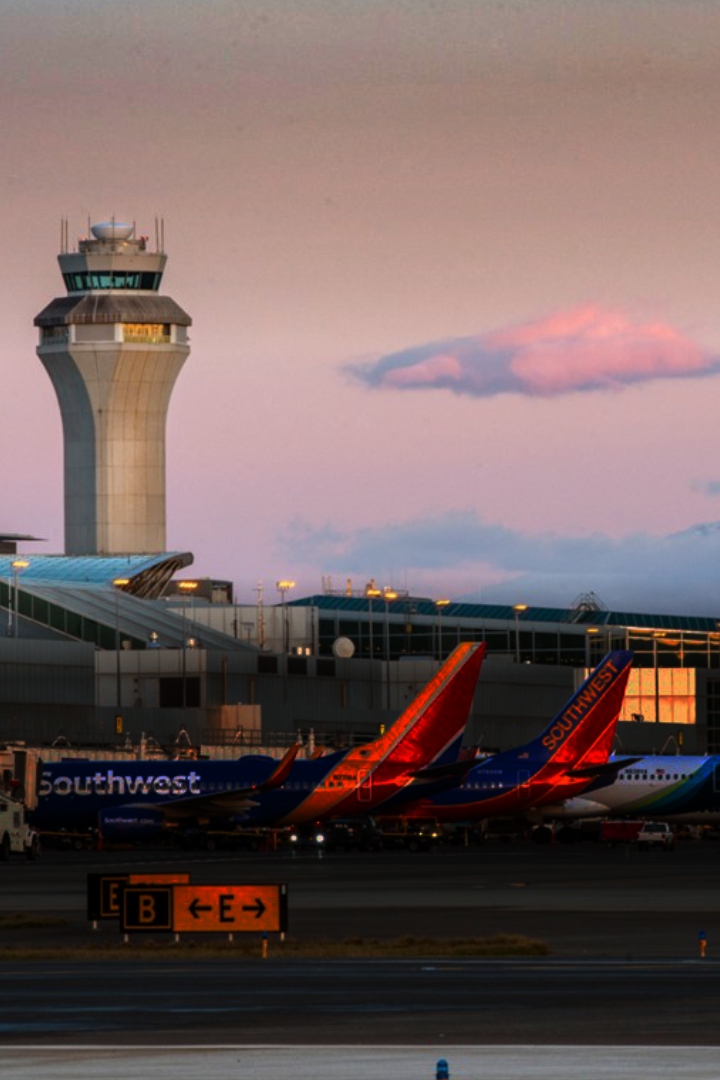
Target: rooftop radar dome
112,230
343,648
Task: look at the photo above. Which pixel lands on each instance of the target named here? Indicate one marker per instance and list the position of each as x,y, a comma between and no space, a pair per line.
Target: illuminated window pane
148,333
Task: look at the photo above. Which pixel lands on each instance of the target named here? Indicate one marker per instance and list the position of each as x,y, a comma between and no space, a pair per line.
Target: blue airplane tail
582,733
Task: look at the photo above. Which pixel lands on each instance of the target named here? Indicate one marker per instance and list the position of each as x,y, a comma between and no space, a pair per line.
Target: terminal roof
507,613
147,574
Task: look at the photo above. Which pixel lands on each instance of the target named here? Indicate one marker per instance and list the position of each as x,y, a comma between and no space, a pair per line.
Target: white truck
16,836
18,794
655,834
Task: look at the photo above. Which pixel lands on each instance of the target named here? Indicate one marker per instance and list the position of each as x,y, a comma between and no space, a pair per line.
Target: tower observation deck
113,348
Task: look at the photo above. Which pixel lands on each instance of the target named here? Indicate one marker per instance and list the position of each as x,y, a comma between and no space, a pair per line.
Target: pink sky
346,181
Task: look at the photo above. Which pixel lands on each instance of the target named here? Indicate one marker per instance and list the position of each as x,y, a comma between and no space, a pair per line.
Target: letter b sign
146,907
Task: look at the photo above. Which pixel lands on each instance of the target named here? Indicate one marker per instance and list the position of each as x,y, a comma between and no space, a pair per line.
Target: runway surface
413,1002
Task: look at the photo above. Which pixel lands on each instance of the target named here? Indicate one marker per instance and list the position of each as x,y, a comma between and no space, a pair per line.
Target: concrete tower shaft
113,348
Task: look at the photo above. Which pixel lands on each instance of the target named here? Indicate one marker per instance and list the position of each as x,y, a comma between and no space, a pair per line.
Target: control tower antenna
113,348
160,234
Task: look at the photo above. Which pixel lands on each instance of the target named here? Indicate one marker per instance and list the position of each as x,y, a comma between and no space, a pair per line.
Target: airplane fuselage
74,793
257,789
675,788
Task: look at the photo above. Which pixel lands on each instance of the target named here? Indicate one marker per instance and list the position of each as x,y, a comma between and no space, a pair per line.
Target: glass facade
112,279
678,650
67,622
398,634
666,695
52,334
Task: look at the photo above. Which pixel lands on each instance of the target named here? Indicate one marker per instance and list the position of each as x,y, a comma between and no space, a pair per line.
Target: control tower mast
113,348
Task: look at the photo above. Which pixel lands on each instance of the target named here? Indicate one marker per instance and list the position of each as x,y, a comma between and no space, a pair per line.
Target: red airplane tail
438,714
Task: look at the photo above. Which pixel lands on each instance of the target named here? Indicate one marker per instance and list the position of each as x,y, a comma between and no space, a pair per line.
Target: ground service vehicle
353,834
18,793
411,834
16,836
618,832
656,834
307,837
62,840
226,839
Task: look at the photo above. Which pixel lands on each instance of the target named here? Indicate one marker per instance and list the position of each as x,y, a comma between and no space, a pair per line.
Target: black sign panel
103,890
103,895
146,907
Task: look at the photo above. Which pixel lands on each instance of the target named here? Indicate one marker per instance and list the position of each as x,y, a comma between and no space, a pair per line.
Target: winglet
279,775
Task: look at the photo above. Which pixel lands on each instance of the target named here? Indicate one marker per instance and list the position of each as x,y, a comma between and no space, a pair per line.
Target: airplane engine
131,825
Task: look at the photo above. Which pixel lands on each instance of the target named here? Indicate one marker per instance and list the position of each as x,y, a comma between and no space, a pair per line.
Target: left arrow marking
196,907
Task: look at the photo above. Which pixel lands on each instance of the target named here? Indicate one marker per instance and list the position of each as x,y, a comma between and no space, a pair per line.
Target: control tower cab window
112,279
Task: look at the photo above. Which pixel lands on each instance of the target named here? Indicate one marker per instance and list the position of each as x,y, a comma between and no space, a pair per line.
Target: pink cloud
586,348
593,345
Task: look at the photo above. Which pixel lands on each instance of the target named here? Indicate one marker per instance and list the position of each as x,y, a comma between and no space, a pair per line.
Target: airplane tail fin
583,731
431,724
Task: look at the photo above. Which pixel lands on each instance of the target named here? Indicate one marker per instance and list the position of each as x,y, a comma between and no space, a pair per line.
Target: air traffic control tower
113,348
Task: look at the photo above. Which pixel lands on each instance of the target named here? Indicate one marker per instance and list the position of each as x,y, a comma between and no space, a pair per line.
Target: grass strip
354,948
16,920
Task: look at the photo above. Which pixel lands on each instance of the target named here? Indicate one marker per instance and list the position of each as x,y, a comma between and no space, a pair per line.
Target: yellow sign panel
229,908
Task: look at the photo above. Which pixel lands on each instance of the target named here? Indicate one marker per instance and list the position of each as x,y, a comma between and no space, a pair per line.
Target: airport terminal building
105,650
